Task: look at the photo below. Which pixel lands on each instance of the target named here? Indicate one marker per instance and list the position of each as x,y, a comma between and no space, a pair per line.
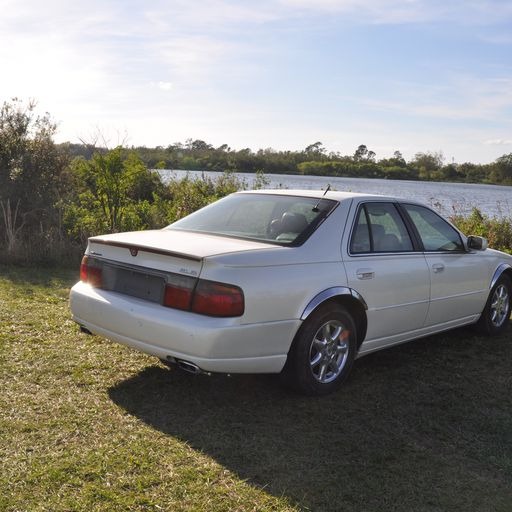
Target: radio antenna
315,208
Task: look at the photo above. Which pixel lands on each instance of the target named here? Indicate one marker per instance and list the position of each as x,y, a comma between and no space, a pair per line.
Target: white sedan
293,282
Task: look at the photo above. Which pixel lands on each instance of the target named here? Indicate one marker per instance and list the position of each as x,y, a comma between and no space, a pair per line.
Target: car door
392,276
459,282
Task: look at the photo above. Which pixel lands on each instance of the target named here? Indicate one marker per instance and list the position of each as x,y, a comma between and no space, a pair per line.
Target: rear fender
331,293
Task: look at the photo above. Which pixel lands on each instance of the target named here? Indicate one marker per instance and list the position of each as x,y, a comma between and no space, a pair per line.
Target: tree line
316,160
54,196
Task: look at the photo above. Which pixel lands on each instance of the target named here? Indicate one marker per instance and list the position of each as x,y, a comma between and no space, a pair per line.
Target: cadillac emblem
134,251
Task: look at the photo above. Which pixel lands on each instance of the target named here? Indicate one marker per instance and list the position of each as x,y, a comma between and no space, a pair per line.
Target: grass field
87,425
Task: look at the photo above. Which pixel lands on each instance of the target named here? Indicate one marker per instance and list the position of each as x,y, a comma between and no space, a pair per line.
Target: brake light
203,297
178,292
218,299
90,274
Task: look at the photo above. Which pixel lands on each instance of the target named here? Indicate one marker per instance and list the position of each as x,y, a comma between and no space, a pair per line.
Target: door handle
365,273
437,267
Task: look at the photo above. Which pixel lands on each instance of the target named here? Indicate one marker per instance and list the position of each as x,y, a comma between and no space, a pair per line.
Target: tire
496,314
323,351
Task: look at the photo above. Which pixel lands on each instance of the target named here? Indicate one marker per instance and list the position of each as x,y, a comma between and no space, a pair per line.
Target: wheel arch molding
502,269
347,297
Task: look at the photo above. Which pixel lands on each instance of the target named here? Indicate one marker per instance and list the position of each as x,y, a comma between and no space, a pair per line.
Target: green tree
397,160
115,191
315,150
473,173
360,153
363,154
426,164
501,169
447,173
188,194
32,176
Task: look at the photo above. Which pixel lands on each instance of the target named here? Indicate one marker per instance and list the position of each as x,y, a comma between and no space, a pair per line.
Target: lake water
447,198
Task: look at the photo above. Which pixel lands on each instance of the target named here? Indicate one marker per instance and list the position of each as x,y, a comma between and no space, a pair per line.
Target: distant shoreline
447,198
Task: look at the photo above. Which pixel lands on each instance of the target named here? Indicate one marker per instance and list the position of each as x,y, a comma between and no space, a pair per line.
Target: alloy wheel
329,351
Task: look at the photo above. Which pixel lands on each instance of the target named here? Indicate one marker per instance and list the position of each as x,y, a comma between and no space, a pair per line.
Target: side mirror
477,243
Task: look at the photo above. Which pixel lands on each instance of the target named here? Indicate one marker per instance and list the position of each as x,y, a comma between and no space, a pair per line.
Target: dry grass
86,425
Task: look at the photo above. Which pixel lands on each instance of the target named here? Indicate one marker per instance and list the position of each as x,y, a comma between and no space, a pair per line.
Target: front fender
503,267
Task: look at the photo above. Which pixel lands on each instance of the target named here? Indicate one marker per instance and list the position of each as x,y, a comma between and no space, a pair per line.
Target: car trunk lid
167,250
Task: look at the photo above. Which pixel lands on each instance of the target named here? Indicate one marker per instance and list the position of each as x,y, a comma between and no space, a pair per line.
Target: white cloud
163,86
459,12
461,97
367,11
188,57
498,142
210,15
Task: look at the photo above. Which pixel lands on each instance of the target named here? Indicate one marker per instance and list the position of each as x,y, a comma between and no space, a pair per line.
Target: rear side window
379,228
436,234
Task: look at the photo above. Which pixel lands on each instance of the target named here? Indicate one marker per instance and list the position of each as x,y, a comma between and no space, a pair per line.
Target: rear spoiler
134,249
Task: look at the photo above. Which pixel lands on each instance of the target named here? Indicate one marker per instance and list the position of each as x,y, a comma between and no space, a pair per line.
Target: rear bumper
213,344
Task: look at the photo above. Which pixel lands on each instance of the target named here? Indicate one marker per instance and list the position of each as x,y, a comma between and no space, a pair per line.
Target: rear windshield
286,220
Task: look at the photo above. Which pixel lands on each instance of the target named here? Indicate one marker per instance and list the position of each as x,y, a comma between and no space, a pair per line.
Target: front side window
379,228
436,234
282,219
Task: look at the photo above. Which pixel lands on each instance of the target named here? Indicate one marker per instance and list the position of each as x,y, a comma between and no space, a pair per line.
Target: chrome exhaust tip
189,367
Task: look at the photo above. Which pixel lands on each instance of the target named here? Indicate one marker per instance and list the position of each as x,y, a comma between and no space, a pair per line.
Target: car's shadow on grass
419,427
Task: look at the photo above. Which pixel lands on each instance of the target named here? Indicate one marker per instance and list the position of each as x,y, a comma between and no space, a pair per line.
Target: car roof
318,194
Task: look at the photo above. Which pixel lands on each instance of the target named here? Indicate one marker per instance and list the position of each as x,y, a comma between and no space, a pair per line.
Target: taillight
178,292
217,299
203,297
83,269
90,274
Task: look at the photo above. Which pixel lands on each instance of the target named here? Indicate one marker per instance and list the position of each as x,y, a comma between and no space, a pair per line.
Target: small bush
188,195
497,231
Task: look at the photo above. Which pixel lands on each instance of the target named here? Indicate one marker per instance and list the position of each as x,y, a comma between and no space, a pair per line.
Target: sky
396,75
